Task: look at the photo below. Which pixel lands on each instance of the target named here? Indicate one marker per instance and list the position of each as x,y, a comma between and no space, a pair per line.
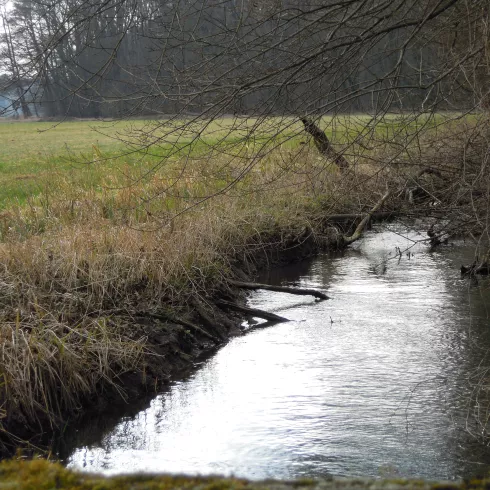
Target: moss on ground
40,474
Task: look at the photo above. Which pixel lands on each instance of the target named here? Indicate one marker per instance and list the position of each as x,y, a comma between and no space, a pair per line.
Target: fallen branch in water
251,311
483,269
280,289
360,227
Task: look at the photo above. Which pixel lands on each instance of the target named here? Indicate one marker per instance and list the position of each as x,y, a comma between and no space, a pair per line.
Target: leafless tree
194,61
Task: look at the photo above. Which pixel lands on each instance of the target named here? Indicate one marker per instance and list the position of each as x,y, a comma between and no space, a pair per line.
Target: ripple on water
366,383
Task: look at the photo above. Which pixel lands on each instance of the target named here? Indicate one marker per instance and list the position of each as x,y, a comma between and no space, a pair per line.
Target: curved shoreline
175,340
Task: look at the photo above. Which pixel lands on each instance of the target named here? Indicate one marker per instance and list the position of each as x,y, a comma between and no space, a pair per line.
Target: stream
376,381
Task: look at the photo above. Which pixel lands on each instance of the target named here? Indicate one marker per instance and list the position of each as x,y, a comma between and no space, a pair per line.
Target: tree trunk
323,144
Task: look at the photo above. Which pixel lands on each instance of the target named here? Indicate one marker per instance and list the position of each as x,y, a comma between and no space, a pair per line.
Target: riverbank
108,290
101,301
87,362
43,475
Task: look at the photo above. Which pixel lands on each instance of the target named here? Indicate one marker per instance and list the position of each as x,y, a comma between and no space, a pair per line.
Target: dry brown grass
68,260
49,368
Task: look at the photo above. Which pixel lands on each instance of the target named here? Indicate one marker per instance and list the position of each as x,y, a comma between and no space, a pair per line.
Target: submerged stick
280,289
251,311
483,269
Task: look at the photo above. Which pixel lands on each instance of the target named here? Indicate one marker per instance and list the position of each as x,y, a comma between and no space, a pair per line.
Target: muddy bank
175,335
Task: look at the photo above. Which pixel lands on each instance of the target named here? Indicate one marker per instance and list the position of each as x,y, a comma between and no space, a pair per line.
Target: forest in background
120,58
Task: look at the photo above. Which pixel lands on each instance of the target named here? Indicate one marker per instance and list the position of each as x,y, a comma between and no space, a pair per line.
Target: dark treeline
115,58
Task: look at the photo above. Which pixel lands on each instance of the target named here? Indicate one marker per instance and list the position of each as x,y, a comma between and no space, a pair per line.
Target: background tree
213,56
194,61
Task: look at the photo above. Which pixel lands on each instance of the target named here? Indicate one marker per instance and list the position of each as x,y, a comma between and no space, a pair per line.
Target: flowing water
376,381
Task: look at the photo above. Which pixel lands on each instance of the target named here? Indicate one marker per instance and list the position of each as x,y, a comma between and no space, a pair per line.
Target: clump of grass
49,367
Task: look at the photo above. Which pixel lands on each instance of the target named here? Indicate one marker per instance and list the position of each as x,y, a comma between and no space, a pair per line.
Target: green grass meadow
36,156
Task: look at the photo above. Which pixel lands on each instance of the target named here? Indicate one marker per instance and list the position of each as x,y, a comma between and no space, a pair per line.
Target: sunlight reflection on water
365,383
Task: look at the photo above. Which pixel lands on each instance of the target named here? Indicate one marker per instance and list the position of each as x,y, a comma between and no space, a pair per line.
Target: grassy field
31,152
35,156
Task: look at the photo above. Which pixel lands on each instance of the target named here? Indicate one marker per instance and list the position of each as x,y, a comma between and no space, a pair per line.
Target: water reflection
366,383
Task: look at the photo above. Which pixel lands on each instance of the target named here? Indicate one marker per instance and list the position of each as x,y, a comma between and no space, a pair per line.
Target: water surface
372,382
